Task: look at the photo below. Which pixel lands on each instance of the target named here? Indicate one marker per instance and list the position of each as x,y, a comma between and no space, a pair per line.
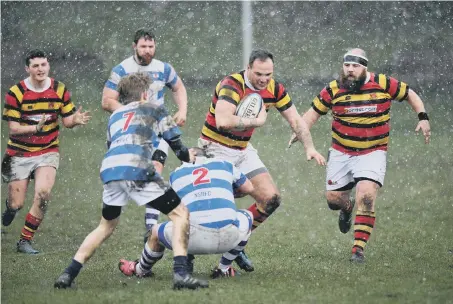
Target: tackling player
128,173
216,226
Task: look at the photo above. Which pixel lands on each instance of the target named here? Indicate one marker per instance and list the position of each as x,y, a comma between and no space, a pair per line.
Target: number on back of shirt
200,176
128,116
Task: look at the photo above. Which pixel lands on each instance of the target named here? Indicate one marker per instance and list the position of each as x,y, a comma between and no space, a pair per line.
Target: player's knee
333,206
273,203
110,212
15,204
335,199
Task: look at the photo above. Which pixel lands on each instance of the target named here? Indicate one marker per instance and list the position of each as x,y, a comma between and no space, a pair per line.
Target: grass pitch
299,253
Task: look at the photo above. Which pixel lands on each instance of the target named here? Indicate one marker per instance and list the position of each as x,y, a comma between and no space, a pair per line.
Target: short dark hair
261,55
131,87
142,33
34,54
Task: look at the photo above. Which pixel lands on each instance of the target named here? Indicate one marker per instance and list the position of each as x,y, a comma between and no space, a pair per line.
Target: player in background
32,109
227,136
360,103
216,226
128,172
163,76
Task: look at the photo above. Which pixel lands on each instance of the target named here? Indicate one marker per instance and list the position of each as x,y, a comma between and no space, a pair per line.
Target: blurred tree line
203,40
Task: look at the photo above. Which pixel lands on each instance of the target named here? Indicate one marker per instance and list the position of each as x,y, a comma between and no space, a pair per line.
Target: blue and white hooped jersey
162,74
207,191
131,131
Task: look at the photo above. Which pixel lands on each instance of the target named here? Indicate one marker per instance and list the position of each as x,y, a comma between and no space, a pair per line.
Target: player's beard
143,60
352,84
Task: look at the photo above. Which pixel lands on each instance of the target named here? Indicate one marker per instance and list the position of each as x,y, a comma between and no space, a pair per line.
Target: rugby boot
244,262
357,257
188,281
128,269
64,281
24,246
219,273
345,219
8,215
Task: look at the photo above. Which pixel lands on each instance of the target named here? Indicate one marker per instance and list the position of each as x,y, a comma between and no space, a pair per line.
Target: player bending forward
128,173
216,225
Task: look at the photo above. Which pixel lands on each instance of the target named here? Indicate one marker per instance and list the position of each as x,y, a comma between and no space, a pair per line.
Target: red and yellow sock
363,226
30,227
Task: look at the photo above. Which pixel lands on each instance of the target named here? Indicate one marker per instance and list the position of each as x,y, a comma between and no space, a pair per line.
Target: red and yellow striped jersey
233,89
361,118
27,107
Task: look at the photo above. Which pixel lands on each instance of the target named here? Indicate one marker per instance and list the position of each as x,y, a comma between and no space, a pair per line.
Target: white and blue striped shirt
207,191
162,74
131,132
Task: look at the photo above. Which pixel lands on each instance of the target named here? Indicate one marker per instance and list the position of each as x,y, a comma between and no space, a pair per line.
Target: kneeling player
216,226
128,173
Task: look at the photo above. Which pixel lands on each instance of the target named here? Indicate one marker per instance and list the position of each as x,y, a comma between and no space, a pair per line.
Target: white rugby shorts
118,193
343,168
19,168
203,240
247,161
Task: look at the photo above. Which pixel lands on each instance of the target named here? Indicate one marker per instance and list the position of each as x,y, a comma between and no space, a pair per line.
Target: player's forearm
180,98
180,150
22,130
69,122
415,102
235,123
301,129
110,104
309,120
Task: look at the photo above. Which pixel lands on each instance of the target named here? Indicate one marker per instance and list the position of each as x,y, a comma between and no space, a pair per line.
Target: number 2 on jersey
128,116
201,173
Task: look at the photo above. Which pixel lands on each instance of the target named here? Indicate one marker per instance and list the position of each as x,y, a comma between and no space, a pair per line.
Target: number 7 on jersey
128,116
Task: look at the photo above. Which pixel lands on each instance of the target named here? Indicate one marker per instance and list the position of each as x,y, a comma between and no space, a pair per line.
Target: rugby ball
250,106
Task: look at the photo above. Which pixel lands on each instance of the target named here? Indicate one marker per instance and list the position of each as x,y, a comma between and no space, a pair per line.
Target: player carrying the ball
227,136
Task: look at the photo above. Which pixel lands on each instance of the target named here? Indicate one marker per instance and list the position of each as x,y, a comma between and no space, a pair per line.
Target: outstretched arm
417,105
78,118
180,98
302,132
310,117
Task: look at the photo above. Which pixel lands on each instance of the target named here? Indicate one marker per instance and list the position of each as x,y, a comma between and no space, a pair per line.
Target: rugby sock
180,265
227,258
147,260
151,217
30,227
363,226
259,216
74,268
